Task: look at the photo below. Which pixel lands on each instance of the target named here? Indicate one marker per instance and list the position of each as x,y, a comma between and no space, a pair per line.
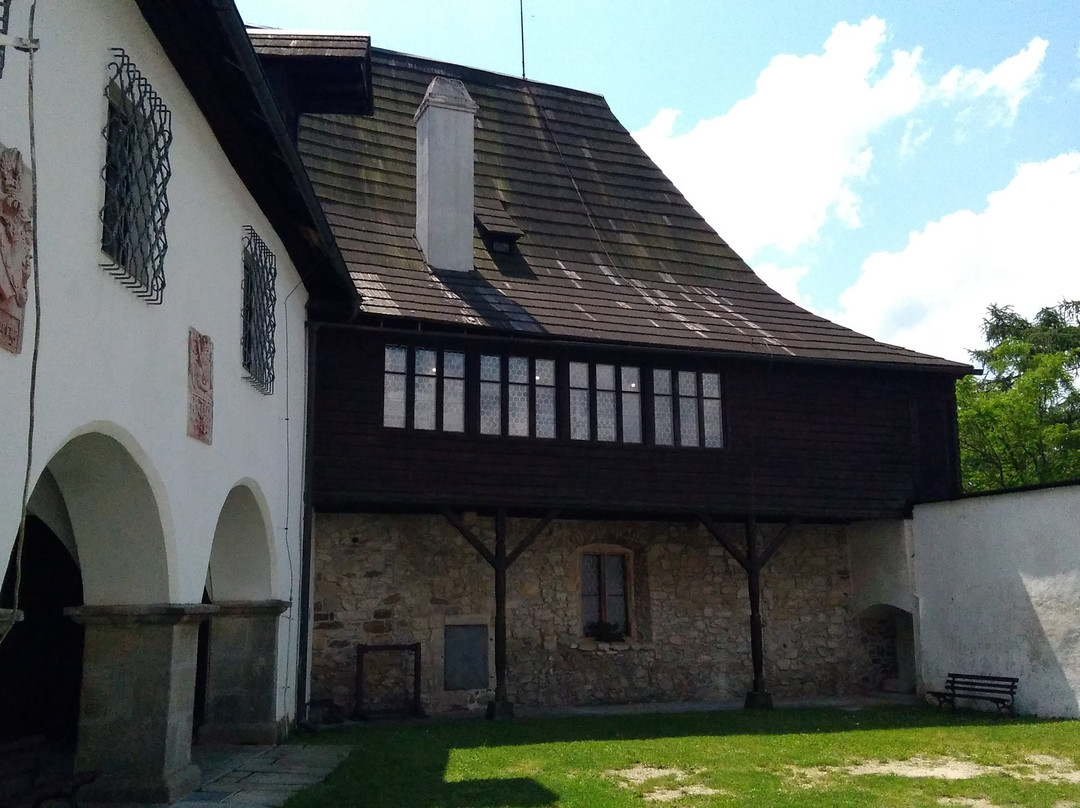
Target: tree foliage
1020,422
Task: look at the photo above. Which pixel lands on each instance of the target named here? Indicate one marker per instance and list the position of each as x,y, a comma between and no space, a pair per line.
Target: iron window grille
138,133
260,297
5,15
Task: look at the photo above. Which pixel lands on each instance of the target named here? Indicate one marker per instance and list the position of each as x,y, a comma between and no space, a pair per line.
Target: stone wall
384,579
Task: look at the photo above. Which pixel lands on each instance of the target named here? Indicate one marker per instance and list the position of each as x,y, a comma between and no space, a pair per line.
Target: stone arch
115,507
242,562
887,638
237,657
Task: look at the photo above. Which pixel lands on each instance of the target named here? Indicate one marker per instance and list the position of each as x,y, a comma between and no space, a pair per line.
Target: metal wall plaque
16,247
200,386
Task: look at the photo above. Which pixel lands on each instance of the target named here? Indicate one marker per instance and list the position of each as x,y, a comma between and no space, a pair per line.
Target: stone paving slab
262,778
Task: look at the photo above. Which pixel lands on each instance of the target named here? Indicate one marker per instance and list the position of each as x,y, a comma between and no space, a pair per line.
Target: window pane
579,375
425,362
490,409
395,358
615,574
590,574
631,418
631,381
518,407
518,370
687,383
579,414
490,369
662,416
616,612
661,382
454,365
605,377
714,427
424,402
605,414
590,613
710,385
688,425
394,400
545,412
545,372
453,414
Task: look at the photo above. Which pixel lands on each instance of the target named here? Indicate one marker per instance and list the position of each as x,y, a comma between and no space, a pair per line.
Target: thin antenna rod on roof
521,10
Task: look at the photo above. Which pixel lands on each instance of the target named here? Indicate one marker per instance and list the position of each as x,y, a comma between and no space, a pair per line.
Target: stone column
138,692
241,704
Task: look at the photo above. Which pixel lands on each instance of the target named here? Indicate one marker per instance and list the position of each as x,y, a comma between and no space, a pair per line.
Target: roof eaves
204,38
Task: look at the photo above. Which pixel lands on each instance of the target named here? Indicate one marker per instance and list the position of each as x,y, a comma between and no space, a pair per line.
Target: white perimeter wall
112,364
998,584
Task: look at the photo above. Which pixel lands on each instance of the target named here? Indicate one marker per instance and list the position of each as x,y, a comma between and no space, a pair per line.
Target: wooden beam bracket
724,541
470,537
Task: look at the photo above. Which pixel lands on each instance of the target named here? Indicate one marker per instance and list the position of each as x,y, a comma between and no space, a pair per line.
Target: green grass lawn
803,758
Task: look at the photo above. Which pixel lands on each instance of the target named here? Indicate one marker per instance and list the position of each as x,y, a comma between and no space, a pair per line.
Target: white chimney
444,175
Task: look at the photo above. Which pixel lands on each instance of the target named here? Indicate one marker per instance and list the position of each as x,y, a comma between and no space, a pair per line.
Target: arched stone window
607,602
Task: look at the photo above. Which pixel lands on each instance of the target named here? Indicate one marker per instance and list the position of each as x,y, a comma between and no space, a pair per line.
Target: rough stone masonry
387,579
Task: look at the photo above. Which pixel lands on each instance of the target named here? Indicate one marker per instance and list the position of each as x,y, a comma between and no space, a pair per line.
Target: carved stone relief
16,247
200,386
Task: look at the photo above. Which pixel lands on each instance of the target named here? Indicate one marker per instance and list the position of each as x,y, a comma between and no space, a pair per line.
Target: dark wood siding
802,439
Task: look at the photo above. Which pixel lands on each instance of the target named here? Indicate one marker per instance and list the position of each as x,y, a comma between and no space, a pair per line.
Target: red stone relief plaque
16,247
200,386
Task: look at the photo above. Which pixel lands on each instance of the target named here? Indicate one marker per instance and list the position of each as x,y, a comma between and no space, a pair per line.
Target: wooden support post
500,561
758,695
500,706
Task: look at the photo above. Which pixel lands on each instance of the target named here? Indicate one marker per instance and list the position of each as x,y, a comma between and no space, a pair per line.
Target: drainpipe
303,660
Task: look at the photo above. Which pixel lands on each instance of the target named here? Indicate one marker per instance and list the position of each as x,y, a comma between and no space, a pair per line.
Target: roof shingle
610,250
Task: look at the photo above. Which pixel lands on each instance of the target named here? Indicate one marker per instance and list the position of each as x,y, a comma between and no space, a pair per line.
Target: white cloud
1011,82
1021,250
780,163
785,280
771,170
916,133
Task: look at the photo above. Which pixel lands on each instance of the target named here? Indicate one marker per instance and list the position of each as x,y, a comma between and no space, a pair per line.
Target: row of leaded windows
424,388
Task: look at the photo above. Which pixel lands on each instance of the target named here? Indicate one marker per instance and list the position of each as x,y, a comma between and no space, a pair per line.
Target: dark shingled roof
609,249
275,42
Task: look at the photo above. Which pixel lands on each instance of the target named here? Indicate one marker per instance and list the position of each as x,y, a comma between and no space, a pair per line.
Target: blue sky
895,166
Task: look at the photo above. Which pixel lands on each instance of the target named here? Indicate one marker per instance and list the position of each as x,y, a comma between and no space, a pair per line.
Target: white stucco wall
880,558
110,363
998,583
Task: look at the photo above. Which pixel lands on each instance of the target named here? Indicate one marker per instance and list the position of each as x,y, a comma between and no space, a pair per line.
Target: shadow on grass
404,764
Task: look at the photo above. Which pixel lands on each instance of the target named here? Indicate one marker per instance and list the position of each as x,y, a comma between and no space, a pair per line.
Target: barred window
137,134
5,12
260,297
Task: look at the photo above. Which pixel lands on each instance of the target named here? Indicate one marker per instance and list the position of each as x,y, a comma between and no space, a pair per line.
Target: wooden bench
999,690
27,779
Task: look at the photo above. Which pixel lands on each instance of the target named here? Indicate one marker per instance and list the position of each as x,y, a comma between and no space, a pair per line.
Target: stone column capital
134,614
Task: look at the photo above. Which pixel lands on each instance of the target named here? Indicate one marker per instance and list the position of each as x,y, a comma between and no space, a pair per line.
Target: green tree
1020,422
